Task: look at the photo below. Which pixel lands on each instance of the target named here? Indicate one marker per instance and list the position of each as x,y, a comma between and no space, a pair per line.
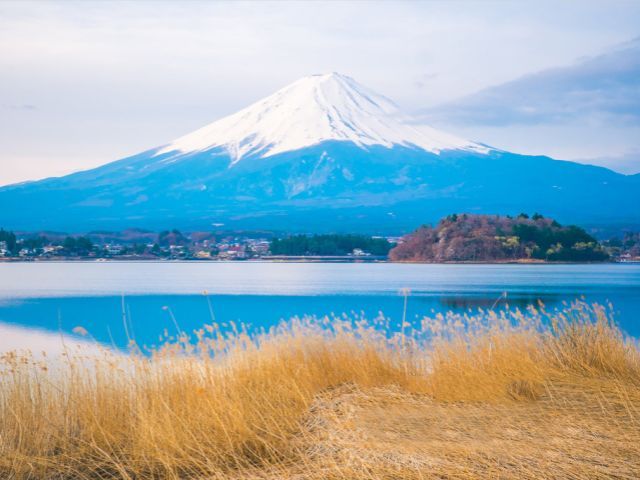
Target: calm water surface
60,296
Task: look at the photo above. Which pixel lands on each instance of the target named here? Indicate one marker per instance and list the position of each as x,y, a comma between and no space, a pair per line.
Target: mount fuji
322,154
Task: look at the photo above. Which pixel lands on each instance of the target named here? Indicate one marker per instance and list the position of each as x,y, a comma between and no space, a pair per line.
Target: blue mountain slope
333,186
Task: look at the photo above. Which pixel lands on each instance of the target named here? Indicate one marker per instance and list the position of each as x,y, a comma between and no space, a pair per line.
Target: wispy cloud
588,111
24,106
425,79
599,89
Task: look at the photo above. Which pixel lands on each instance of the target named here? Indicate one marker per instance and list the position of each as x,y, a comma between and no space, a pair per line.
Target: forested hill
465,237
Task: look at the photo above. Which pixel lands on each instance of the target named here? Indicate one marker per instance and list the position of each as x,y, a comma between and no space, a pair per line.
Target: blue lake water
59,296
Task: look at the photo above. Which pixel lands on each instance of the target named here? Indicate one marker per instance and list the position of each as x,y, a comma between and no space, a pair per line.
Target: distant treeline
463,237
79,245
329,245
456,238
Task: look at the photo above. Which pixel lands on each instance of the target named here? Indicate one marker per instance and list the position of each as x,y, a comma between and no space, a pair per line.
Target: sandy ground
386,433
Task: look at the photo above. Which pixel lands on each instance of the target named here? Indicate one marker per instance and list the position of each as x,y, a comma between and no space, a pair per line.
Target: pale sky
83,83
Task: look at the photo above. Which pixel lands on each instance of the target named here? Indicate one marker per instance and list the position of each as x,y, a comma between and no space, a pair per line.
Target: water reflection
474,302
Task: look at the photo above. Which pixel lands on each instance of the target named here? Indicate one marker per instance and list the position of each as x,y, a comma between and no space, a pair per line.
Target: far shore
301,259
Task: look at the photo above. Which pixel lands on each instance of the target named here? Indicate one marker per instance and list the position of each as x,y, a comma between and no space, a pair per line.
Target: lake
59,296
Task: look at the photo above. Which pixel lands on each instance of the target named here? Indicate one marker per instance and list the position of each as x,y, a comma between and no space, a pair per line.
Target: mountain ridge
388,185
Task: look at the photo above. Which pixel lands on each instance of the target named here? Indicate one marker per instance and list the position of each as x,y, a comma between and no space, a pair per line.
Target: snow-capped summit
312,110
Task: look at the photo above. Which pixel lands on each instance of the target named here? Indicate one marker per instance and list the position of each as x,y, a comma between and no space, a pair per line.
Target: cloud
596,90
425,79
628,163
588,111
24,106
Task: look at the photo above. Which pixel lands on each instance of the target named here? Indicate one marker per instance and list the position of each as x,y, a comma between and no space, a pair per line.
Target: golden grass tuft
511,394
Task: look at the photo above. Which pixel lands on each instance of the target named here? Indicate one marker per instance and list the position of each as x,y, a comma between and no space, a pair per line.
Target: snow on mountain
312,110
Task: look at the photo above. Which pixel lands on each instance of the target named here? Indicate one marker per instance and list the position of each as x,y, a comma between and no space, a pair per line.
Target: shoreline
301,259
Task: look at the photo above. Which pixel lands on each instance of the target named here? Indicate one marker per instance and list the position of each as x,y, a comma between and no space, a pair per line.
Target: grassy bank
511,395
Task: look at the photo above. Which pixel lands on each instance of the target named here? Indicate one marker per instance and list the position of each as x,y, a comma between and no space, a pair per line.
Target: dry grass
509,395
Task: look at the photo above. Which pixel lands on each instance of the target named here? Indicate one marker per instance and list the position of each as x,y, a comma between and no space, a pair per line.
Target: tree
69,244
35,242
78,245
173,237
138,248
10,239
